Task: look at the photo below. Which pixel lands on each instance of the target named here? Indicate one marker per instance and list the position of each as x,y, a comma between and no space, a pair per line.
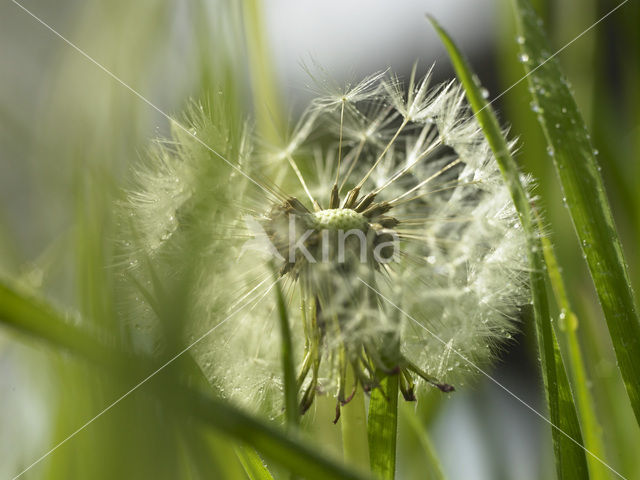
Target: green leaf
583,188
567,438
382,427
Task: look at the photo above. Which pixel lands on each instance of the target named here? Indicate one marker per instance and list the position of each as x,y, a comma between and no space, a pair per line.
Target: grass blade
418,436
291,409
39,320
583,188
382,427
570,457
584,401
253,465
30,315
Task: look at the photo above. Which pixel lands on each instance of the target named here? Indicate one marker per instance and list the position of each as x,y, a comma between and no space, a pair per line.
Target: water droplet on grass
523,57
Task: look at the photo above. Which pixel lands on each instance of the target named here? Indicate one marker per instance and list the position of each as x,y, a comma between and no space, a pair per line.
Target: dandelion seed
405,196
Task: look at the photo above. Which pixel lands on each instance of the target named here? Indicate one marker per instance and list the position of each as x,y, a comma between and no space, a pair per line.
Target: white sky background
354,38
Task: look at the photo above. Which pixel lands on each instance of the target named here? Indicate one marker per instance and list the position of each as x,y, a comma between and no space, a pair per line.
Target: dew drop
535,107
564,110
550,151
523,58
596,151
520,40
485,93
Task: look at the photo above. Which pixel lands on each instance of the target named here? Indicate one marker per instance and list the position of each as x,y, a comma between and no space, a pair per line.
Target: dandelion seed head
378,194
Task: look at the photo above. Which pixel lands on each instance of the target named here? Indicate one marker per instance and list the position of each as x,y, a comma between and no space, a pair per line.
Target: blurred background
69,134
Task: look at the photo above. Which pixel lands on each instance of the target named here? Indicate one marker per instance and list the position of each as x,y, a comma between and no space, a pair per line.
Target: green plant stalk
570,458
382,427
353,419
583,188
585,404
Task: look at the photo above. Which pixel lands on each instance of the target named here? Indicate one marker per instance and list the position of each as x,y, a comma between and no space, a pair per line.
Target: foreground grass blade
253,465
39,320
575,162
568,325
30,315
567,438
291,409
382,427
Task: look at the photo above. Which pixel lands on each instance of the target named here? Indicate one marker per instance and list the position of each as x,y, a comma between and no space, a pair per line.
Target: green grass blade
286,448
291,409
28,314
36,318
382,427
253,465
418,435
583,188
568,325
570,457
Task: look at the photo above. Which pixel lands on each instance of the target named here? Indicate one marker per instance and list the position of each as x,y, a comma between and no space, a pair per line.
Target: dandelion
379,195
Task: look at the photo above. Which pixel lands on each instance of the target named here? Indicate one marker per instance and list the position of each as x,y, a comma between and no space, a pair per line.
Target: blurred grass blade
286,448
253,465
419,434
570,458
30,315
34,317
382,427
291,409
583,188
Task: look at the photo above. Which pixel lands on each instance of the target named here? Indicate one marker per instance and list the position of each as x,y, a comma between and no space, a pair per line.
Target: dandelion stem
383,426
